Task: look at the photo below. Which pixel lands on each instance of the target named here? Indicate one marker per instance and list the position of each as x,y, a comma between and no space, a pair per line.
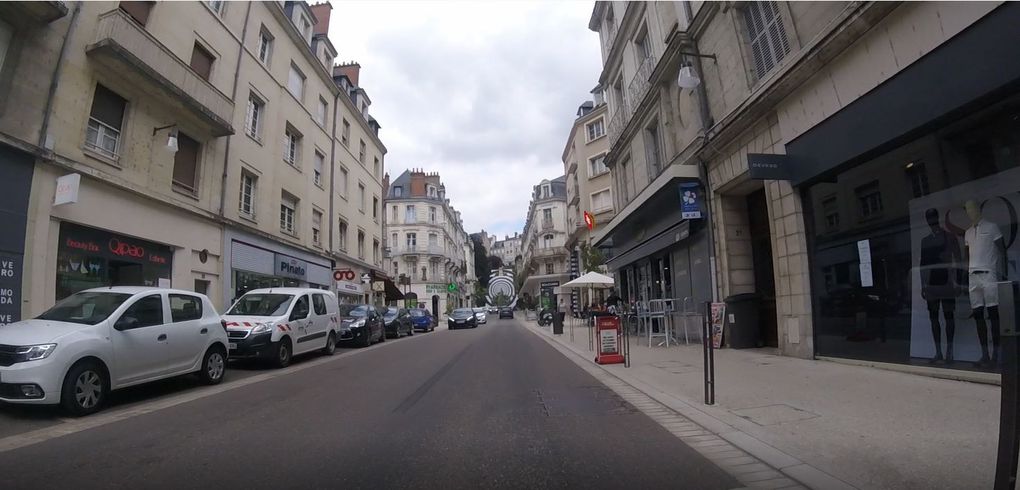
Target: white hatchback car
278,323
103,339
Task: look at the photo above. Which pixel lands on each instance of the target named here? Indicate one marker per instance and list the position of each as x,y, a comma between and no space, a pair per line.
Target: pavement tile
732,461
815,478
759,476
768,454
747,468
774,483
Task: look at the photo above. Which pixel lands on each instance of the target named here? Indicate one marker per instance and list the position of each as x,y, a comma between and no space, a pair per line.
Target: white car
480,315
104,339
279,323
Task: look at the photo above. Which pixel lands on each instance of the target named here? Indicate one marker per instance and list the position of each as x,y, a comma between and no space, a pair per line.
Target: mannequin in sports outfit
986,258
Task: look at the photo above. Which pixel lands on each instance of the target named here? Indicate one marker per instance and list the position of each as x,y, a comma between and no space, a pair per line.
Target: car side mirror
126,323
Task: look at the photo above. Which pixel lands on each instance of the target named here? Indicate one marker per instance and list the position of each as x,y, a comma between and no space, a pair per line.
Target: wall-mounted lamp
171,137
688,78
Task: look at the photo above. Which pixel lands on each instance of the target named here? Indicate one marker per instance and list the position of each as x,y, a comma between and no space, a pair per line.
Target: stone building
544,257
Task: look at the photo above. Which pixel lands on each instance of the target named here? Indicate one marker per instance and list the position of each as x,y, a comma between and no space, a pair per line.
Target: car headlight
358,323
262,328
34,352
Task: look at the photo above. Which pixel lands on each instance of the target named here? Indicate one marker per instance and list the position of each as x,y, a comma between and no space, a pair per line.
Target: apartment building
544,255
126,164
428,250
589,186
508,250
828,147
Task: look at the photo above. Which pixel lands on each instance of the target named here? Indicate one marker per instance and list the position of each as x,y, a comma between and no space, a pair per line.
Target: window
301,308
642,47
317,227
319,303
253,121
291,147
361,198
766,35
396,268
288,211
320,162
550,268
342,242
202,286
434,270
432,214
345,137
545,191
547,218
595,129
397,192
186,163
139,11
361,245
361,151
918,177
215,5
597,165
184,307
375,208
869,198
831,211
296,82
547,241
265,46
375,251
146,312
343,182
624,184
249,185
202,61
652,150
320,114
306,27
393,214
375,166
431,191
5,40
409,215
393,241
433,242
105,121
601,201
411,240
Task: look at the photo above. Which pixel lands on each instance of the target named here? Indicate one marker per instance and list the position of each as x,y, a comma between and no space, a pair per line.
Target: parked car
365,323
462,318
493,309
506,312
105,339
279,323
480,315
397,322
422,319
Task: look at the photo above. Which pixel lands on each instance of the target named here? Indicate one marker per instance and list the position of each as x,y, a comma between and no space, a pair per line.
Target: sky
483,92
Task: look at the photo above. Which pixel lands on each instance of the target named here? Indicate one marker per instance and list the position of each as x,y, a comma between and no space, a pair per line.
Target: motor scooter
545,317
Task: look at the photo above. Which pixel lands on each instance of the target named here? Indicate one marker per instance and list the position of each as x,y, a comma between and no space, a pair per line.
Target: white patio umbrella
592,280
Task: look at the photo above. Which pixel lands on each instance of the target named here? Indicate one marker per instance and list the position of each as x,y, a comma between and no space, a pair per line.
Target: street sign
451,287
366,278
343,275
763,166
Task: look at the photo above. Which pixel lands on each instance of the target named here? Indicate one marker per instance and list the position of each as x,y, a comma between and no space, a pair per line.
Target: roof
288,290
403,181
139,289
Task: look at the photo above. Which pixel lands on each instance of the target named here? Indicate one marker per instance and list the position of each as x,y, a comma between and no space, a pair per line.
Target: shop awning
675,234
392,291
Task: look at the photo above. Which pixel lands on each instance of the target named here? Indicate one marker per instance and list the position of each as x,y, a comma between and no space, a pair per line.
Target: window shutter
201,61
186,162
108,107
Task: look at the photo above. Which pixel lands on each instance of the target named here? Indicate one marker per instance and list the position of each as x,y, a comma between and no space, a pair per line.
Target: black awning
392,291
675,234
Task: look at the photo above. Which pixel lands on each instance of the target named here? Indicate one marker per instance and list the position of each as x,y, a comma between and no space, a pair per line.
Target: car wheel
214,366
84,389
283,353
410,331
366,340
382,336
330,345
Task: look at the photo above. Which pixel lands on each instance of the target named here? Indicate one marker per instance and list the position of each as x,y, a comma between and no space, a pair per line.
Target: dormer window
306,27
545,192
431,191
398,191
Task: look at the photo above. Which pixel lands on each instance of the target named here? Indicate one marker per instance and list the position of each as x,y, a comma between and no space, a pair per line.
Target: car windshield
390,313
463,311
359,311
417,313
260,304
88,308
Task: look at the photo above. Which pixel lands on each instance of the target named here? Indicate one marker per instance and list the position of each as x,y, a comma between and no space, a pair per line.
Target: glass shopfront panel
907,247
90,258
245,281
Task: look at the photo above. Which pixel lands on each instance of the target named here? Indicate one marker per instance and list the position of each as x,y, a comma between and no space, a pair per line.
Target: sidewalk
869,428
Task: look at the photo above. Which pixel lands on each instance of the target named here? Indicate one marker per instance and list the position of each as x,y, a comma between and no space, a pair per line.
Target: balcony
549,252
619,121
33,13
547,224
135,58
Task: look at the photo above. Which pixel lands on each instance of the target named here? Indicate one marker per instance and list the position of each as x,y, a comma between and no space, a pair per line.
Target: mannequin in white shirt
985,253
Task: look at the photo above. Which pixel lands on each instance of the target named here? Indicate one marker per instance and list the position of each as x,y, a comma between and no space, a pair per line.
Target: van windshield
89,308
262,305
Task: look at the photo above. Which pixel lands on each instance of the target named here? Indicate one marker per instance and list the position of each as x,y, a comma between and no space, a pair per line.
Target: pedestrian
613,301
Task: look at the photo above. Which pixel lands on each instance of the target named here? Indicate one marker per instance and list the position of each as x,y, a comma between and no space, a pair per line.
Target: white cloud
482,92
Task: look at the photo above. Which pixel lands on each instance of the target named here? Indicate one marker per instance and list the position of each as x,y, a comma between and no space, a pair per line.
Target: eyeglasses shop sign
10,288
290,267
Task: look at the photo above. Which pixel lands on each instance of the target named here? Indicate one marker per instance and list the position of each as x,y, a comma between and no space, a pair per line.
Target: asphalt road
493,407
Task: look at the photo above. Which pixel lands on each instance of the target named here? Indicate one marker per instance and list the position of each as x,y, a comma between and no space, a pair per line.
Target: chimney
321,13
350,70
417,183
386,184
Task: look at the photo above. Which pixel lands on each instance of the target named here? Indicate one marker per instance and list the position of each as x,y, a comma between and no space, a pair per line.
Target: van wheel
282,353
330,345
84,389
214,366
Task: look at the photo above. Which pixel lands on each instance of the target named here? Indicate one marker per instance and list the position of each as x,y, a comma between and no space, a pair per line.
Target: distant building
508,250
544,264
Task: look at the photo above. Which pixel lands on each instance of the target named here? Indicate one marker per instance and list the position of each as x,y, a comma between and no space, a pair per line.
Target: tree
501,300
481,261
495,262
591,258
478,298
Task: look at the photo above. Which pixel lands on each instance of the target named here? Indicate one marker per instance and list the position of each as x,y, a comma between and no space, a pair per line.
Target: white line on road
72,426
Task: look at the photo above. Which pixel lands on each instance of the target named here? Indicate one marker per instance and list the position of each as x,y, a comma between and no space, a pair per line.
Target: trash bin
558,317
742,321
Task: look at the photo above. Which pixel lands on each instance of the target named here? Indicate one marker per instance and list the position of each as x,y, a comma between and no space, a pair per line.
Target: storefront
350,292
16,168
90,257
914,218
255,262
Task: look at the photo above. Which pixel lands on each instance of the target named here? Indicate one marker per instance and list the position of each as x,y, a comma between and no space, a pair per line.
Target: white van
279,323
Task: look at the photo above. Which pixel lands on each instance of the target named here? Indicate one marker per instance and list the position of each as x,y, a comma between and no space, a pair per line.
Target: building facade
126,161
543,251
429,252
508,250
854,185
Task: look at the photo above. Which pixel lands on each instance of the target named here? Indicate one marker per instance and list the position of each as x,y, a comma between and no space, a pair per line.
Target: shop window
766,35
202,61
319,303
146,312
139,11
105,120
869,200
185,307
186,163
90,257
918,177
249,186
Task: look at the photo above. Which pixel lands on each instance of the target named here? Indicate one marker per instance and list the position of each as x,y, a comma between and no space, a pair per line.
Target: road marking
72,426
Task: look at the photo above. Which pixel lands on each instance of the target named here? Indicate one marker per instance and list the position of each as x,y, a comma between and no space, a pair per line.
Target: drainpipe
332,170
233,97
55,79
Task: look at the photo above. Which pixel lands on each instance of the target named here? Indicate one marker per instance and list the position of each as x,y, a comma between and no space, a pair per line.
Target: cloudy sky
482,92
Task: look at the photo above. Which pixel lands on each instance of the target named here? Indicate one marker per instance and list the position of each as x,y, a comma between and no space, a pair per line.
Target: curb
751,461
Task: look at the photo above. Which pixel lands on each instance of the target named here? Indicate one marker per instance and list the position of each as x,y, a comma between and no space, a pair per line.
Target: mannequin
940,263
986,258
